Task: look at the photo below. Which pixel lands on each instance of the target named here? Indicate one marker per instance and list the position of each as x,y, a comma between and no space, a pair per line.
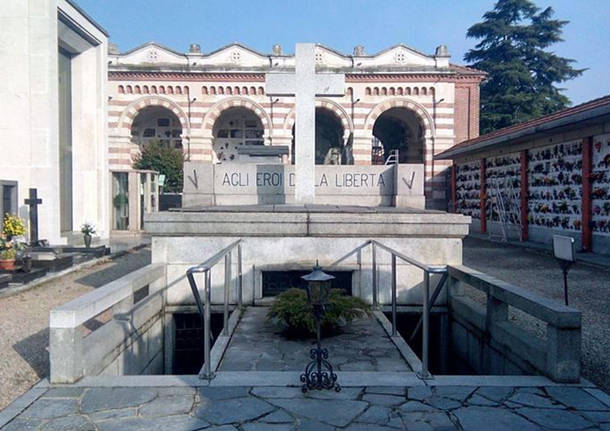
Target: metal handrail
427,301
434,269
205,308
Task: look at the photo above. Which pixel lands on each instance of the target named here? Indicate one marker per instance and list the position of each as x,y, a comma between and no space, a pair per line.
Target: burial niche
156,123
398,129
234,128
330,149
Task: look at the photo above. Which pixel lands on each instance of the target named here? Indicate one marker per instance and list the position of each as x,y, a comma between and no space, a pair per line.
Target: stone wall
295,239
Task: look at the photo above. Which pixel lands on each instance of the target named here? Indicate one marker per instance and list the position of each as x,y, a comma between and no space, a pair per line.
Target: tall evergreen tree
522,72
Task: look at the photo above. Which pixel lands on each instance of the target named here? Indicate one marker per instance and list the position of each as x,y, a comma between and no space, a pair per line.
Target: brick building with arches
212,104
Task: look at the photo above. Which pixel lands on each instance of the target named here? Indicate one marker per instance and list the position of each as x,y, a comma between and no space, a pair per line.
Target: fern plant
294,315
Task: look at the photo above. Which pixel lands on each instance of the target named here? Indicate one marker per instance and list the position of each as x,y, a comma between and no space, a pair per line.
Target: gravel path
24,321
589,292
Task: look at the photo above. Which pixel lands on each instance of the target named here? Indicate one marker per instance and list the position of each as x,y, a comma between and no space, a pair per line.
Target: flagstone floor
257,345
287,408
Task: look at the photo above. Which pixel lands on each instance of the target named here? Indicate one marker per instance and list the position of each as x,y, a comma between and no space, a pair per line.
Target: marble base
288,238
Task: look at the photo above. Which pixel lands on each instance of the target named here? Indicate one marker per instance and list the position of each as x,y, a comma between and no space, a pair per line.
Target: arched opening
398,129
329,139
236,127
157,123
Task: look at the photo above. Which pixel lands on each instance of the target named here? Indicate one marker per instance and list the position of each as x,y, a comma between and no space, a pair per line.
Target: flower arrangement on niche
12,228
555,186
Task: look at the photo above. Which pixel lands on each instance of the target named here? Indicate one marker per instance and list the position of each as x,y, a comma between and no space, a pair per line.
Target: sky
343,24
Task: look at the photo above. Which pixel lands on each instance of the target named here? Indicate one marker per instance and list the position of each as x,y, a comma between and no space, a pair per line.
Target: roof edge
88,17
582,112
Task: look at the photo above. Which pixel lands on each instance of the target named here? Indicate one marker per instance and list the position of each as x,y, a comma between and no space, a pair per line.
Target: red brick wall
466,111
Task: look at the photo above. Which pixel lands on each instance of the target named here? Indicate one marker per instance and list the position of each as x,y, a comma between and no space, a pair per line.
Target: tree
522,72
168,161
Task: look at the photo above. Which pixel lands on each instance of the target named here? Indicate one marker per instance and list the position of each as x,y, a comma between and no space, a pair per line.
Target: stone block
563,354
65,355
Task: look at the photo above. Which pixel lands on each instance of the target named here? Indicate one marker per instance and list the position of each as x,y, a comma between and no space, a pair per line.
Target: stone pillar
524,194
133,185
147,200
483,193
361,147
120,148
497,311
65,355
586,202
198,148
563,353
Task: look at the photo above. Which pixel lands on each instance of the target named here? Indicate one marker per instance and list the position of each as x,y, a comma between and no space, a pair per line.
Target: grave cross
305,84
33,201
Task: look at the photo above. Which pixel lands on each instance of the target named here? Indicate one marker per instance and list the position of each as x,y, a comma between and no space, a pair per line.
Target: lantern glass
318,286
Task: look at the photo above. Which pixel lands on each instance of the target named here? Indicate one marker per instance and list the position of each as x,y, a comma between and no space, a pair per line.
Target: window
8,197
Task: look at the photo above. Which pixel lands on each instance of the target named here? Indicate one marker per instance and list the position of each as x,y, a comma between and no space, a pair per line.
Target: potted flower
7,253
12,226
87,229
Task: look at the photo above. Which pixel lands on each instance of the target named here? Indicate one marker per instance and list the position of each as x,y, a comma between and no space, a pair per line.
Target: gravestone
33,201
305,84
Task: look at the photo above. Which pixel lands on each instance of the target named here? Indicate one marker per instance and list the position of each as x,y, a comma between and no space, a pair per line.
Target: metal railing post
359,262
207,326
374,252
225,321
240,280
426,325
393,295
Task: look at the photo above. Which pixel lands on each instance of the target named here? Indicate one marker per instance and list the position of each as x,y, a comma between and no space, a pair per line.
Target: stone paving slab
257,345
288,408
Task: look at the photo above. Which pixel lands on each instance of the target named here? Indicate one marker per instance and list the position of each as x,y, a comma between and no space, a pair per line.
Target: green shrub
294,316
168,161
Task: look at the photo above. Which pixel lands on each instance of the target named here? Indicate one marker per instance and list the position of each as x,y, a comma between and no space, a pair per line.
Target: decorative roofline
447,76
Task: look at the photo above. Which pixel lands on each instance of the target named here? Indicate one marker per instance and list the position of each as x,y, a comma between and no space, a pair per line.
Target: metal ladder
392,158
505,208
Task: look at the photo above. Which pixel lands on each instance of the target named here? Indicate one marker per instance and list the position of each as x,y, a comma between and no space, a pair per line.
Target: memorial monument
290,216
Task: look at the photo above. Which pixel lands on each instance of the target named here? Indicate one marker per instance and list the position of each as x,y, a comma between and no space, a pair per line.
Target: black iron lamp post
319,372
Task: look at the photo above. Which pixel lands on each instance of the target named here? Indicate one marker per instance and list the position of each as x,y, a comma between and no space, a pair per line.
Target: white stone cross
305,84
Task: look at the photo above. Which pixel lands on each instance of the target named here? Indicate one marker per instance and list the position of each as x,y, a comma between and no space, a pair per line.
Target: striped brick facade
444,102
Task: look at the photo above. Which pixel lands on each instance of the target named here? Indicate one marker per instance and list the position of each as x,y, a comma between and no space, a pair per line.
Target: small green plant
120,200
294,315
8,249
167,161
87,229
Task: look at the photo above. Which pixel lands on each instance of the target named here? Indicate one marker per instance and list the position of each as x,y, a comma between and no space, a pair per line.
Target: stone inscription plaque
347,183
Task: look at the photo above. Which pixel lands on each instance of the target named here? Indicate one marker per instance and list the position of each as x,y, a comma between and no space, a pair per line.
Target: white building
53,119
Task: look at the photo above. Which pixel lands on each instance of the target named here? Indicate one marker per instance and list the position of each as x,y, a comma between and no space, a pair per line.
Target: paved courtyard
256,345
287,408
589,292
24,319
